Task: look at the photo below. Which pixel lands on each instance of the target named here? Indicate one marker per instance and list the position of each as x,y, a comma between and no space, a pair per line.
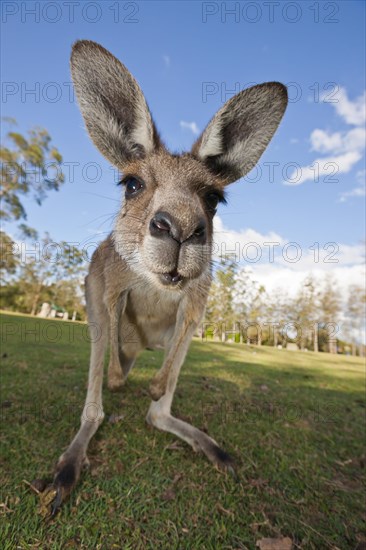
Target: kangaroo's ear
113,106
238,134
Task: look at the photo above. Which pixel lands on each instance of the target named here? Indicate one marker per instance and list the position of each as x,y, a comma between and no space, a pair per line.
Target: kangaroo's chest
152,314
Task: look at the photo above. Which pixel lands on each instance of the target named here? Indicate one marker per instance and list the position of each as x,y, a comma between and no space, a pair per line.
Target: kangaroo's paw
157,386
115,385
66,477
220,458
116,380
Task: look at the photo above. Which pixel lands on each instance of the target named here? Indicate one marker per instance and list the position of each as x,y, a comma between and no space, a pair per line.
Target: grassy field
295,423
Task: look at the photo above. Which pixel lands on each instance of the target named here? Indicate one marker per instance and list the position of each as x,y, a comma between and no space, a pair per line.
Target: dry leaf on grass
169,494
176,446
223,510
45,501
114,418
38,485
282,543
4,509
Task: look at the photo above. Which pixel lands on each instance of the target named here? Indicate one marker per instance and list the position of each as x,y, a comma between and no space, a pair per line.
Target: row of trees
315,318
34,270
238,306
45,271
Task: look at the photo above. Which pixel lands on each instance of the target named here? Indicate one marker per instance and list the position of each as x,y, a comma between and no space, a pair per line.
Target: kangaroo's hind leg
119,363
162,390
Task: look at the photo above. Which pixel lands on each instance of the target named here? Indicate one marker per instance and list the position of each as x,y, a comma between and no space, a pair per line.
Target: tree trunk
316,337
332,346
223,333
302,342
35,303
36,298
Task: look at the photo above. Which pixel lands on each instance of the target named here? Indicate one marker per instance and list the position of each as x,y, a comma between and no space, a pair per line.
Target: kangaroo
153,272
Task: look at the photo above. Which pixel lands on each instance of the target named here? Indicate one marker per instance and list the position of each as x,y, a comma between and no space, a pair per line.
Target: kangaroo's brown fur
148,282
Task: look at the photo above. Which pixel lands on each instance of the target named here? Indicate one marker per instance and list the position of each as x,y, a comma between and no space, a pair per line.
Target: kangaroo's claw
66,477
57,501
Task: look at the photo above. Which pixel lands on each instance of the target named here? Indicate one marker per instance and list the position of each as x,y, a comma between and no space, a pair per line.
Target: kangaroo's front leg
71,461
159,414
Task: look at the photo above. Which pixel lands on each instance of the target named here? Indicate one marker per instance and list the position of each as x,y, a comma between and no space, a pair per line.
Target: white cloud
353,112
166,59
275,267
326,166
346,148
294,140
274,276
352,254
359,191
356,192
229,241
192,126
324,142
361,175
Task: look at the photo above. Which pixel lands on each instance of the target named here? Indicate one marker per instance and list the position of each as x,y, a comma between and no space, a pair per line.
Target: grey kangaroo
153,273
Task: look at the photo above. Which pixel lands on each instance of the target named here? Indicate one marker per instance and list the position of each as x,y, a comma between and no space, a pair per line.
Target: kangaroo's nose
163,225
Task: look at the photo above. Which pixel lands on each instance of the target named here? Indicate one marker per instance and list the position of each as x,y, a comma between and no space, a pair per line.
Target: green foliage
241,307
28,232
19,296
54,274
30,166
220,303
330,304
8,260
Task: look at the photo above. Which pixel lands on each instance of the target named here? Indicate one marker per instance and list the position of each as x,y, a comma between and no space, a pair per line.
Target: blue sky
175,49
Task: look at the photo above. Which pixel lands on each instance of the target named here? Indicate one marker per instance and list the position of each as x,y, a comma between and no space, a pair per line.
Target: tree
70,294
356,314
278,312
305,312
330,306
11,297
53,265
219,310
249,304
29,166
8,259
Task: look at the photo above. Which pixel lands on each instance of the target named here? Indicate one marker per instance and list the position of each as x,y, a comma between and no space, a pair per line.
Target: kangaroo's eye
213,199
132,186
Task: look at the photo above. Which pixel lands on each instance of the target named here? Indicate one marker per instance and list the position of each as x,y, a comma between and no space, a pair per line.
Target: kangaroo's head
164,227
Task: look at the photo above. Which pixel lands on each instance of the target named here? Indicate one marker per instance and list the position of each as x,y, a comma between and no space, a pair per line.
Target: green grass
294,421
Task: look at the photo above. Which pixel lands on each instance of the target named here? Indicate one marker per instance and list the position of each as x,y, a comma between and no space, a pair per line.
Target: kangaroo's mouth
171,278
